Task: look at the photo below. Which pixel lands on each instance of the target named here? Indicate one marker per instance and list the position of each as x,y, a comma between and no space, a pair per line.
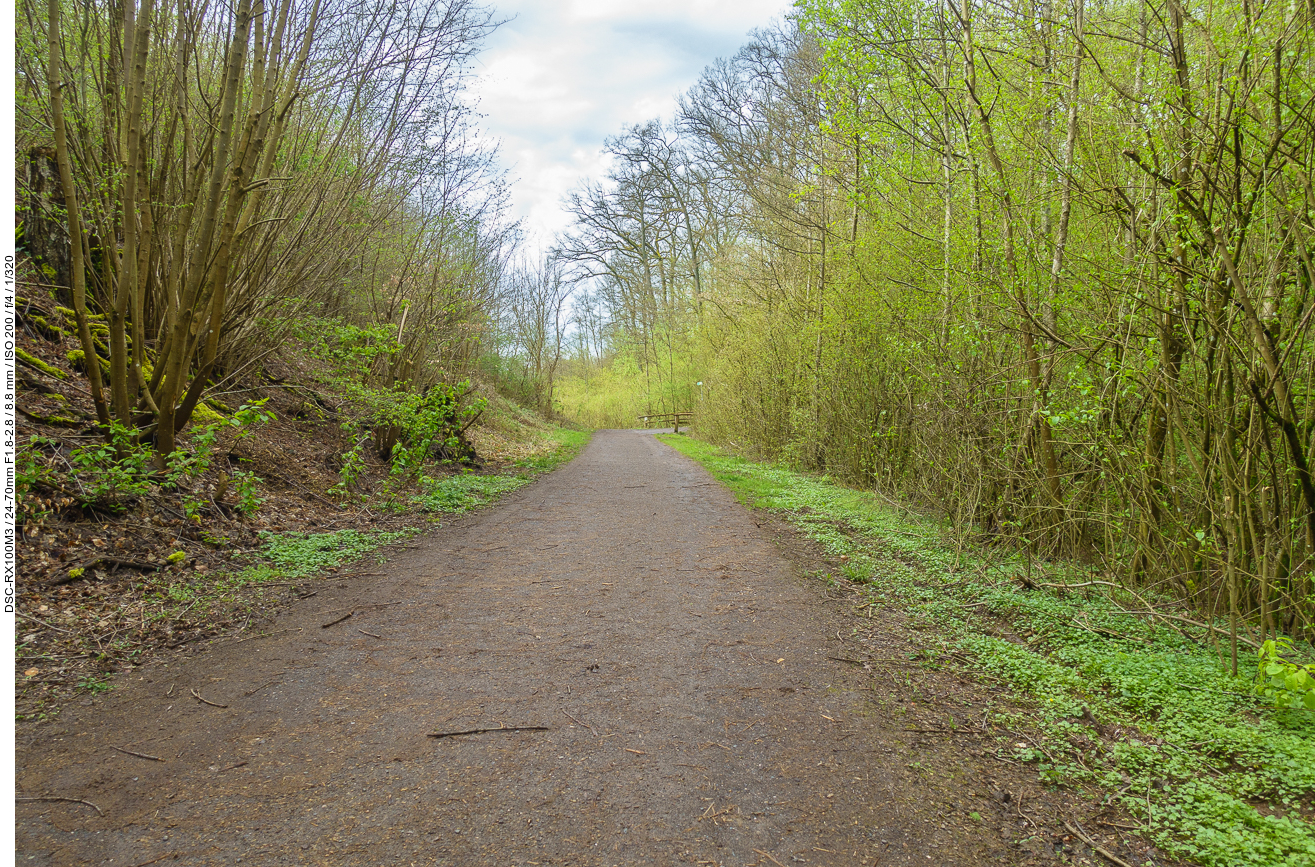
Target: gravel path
625,603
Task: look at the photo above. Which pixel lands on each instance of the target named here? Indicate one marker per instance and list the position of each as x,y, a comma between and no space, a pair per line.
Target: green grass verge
1216,775
291,556
569,444
461,493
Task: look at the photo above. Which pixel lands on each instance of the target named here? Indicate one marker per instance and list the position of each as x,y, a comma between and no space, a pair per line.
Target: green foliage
247,485
302,555
31,469
615,395
214,538
353,462
434,419
96,684
1196,753
569,443
110,473
183,466
464,492
350,350
1285,683
192,509
413,424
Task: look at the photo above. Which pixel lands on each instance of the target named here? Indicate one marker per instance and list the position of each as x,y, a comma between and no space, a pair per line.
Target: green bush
108,474
1280,680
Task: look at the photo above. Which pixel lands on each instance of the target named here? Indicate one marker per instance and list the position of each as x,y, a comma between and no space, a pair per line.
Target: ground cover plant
1123,695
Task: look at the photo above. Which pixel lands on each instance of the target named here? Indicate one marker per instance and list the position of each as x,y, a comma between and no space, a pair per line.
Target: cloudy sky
563,75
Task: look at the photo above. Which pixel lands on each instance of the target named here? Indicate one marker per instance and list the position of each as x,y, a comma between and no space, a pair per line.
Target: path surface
625,602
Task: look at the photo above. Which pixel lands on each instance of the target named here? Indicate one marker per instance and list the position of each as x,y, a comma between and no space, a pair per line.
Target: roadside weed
95,685
301,555
463,492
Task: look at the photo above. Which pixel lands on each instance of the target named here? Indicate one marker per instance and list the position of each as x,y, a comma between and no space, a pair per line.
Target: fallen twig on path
196,695
712,812
138,755
498,729
250,693
366,607
769,858
580,722
1018,805
1124,827
157,859
371,634
68,800
1101,850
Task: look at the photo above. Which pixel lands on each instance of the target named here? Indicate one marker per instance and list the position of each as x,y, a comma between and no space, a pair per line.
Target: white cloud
562,76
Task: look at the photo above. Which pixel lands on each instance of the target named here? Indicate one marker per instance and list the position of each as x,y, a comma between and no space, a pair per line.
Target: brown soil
702,701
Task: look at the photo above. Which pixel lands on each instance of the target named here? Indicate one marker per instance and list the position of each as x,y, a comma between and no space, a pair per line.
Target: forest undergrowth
1124,697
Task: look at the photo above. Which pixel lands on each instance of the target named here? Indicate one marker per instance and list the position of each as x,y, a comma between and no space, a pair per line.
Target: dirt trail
625,602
